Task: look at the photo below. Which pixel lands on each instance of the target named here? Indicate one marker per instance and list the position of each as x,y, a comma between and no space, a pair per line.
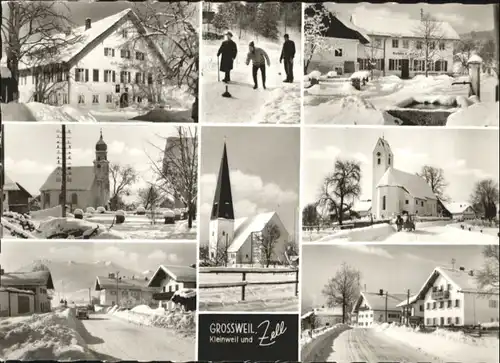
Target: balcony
440,295
163,296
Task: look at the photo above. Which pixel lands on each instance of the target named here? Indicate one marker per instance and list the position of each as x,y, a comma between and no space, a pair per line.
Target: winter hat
229,33
252,44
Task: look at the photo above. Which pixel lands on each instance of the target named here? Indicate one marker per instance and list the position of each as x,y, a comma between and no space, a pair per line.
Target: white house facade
452,298
105,64
412,310
328,316
168,279
376,308
127,292
461,211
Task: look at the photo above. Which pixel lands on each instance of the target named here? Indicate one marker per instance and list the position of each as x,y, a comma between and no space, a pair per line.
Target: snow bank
370,233
360,75
321,340
283,106
448,345
478,114
45,213
313,75
50,336
15,230
60,227
331,74
493,324
66,113
343,89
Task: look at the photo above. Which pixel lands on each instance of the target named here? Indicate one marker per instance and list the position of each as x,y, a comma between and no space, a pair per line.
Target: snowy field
336,101
48,224
279,103
35,111
257,297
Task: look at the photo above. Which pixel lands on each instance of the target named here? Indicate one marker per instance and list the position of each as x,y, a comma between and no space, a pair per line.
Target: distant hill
480,35
74,278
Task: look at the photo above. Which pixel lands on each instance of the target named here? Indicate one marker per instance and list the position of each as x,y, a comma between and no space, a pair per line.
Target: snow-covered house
328,316
170,278
8,187
362,208
16,197
452,297
105,63
345,39
241,237
87,186
15,302
126,292
460,210
37,282
398,45
412,310
372,307
395,191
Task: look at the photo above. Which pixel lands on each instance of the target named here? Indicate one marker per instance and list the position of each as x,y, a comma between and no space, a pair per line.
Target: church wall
221,230
83,200
393,202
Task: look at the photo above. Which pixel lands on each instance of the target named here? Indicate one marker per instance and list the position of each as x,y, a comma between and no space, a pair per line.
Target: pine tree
267,20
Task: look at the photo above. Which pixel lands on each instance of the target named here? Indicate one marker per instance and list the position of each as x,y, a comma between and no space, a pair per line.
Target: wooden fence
244,283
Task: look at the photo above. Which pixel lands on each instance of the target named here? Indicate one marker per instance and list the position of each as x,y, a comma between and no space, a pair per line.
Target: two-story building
170,278
328,316
452,298
412,311
107,63
126,292
37,282
400,46
381,307
461,211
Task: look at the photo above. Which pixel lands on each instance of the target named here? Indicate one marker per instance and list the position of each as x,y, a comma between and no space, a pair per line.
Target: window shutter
114,77
112,52
105,52
77,78
86,75
128,74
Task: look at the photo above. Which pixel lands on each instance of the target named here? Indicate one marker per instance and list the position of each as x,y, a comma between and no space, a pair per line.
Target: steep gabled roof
377,302
413,184
357,31
362,206
176,273
222,206
457,207
385,145
82,178
32,278
407,301
335,311
105,282
9,185
401,27
22,189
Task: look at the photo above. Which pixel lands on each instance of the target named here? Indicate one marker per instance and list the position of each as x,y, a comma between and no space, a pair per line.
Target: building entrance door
405,68
124,100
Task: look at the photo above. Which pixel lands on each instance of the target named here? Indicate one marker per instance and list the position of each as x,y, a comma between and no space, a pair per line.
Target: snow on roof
82,178
415,185
185,293
349,24
335,311
13,289
475,59
401,27
9,185
407,301
177,273
306,315
5,72
246,227
377,302
105,282
362,206
385,145
31,278
457,207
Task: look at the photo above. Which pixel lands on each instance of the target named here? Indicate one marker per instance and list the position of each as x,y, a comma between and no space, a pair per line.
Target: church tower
101,173
222,215
382,159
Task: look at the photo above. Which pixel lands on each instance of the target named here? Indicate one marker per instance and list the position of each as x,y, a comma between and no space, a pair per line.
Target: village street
366,345
114,339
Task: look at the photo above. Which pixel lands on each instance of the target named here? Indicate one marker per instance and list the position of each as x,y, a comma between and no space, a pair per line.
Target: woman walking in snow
259,59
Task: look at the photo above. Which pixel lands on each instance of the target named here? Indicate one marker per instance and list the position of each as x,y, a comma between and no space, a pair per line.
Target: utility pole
2,158
386,298
408,308
63,179
117,288
90,298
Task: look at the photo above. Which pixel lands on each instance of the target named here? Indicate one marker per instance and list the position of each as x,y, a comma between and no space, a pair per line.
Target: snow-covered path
279,103
366,345
116,339
16,112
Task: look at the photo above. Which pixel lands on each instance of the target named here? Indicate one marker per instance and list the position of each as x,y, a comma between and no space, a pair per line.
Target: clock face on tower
378,154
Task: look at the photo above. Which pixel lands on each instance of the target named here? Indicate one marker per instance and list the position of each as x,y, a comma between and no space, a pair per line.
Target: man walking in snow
227,51
287,55
259,59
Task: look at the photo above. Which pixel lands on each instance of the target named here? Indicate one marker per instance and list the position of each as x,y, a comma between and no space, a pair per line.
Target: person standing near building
228,52
287,55
259,59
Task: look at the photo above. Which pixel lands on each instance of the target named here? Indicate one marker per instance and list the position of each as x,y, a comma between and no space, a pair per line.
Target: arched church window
223,233
389,160
378,161
383,202
74,198
98,166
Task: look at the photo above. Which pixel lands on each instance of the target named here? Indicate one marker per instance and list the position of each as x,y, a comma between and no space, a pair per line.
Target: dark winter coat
288,50
228,51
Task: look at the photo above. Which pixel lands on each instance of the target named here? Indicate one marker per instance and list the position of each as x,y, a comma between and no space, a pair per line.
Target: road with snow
114,339
366,345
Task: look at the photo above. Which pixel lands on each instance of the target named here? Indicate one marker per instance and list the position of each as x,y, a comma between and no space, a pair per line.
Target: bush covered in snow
141,211
75,228
101,210
90,210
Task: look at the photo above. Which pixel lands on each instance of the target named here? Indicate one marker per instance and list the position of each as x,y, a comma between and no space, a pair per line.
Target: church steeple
222,206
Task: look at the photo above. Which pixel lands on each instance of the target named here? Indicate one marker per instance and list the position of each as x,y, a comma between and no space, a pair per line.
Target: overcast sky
462,17
392,268
31,154
466,156
264,165
134,256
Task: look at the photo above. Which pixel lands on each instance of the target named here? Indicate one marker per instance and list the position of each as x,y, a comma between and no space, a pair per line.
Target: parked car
82,312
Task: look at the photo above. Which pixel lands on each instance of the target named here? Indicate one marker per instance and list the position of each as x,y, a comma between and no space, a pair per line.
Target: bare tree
343,289
488,277
340,187
34,35
122,178
435,178
485,197
316,23
151,197
177,172
431,33
267,241
464,50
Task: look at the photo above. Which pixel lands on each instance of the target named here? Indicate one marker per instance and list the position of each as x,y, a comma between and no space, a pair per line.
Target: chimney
88,24
146,279
471,273
462,268
381,292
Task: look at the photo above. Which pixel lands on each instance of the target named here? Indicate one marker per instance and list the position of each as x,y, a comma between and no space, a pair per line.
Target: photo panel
100,61
98,300
251,62
249,187
117,182
401,64
397,185
400,303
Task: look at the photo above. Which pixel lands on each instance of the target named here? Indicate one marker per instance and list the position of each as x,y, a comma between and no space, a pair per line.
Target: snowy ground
257,298
437,231
279,103
34,111
336,101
